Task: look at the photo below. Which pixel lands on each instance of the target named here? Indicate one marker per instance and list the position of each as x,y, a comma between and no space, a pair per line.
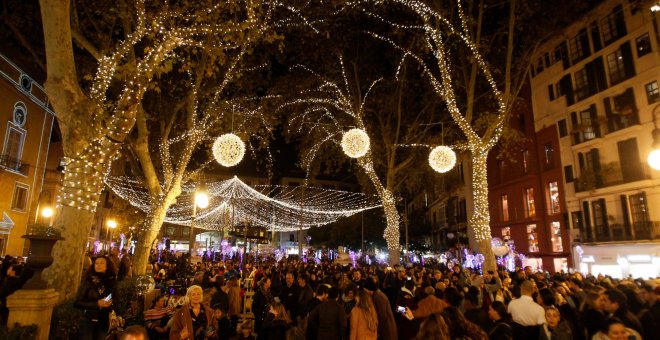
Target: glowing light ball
228,149
355,143
442,158
654,159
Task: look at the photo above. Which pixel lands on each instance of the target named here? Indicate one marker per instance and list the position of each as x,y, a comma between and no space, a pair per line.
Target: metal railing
13,164
640,231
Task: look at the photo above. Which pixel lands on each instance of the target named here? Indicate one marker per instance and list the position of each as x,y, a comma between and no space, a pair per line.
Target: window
639,209
613,26
532,238
506,234
600,218
13,148
616,67
595,36
551,92
525,160
169,231
563,129
652,92
643,44
291,238
555,240
568,173
553,193
578,46
529,200
505,207
185,231
588,121
549,155
581,84
19,201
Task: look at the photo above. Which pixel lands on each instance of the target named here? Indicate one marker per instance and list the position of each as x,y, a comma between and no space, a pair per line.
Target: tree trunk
64,274
480,219
392,229
152,226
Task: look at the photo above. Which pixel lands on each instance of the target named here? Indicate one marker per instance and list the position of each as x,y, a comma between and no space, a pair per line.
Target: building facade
27,122
526,195
595,85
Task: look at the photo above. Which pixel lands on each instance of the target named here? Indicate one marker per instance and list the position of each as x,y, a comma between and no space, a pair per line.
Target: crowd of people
291,299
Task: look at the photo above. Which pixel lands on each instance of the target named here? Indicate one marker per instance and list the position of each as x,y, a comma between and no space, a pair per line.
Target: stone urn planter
42,239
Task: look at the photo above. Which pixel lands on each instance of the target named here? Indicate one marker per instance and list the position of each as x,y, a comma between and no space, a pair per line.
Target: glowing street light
112,224
47,212
654,157
202,199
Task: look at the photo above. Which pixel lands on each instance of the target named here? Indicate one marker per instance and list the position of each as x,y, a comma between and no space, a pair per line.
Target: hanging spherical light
228,149
442,158
355,143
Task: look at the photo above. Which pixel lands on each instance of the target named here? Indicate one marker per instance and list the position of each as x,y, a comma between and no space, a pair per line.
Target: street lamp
47,212
201,201
654,157
111,224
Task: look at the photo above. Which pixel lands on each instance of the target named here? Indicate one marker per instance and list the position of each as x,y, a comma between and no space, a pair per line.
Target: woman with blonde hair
193,320
276,324
364,321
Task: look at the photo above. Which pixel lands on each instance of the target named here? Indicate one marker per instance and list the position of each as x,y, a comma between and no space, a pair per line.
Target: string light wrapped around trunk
442,158
228,149
355,143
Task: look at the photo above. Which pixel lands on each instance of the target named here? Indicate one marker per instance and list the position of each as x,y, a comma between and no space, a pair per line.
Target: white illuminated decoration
442,158
228,149
355,143
654,159
232,202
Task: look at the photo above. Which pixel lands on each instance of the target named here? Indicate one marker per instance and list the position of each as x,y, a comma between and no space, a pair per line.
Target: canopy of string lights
232,202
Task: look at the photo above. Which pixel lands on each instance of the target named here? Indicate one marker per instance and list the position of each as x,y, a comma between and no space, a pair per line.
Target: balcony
14,165
617,232
611,174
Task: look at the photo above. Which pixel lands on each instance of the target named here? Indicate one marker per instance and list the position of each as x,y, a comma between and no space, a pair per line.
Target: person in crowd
114,257
289,294
261,303
502,329
193,319
651,319
13,281
246,331
387,328
473,311
125,266
460,327
221,324
95,298
320,296
615,329
555,327
615,304
327,320
591,313
526,314
364,320
428,305
305,295
234,300
134,332
406,327
276,324
156,319
433,327
220,295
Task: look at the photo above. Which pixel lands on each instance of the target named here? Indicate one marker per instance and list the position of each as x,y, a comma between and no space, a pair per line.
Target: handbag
115,322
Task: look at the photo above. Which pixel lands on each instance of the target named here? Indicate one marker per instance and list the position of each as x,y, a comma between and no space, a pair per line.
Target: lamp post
201,201
111,224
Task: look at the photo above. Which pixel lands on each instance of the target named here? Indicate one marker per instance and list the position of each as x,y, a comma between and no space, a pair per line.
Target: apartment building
595,85
27,125
527,197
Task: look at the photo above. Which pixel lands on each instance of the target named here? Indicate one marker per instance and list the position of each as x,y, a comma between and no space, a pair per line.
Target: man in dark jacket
220,297
651,318
327,320
305,295
289,295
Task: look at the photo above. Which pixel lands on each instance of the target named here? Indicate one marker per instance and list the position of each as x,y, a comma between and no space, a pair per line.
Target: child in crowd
246,331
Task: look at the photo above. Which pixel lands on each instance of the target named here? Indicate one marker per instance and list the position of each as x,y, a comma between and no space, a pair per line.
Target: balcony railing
641,231
611,174
13,164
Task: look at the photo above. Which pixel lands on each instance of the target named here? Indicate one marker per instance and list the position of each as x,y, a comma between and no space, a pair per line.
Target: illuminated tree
136,45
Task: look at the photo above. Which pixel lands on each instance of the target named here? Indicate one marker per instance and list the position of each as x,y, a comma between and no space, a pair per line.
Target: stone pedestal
28,307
